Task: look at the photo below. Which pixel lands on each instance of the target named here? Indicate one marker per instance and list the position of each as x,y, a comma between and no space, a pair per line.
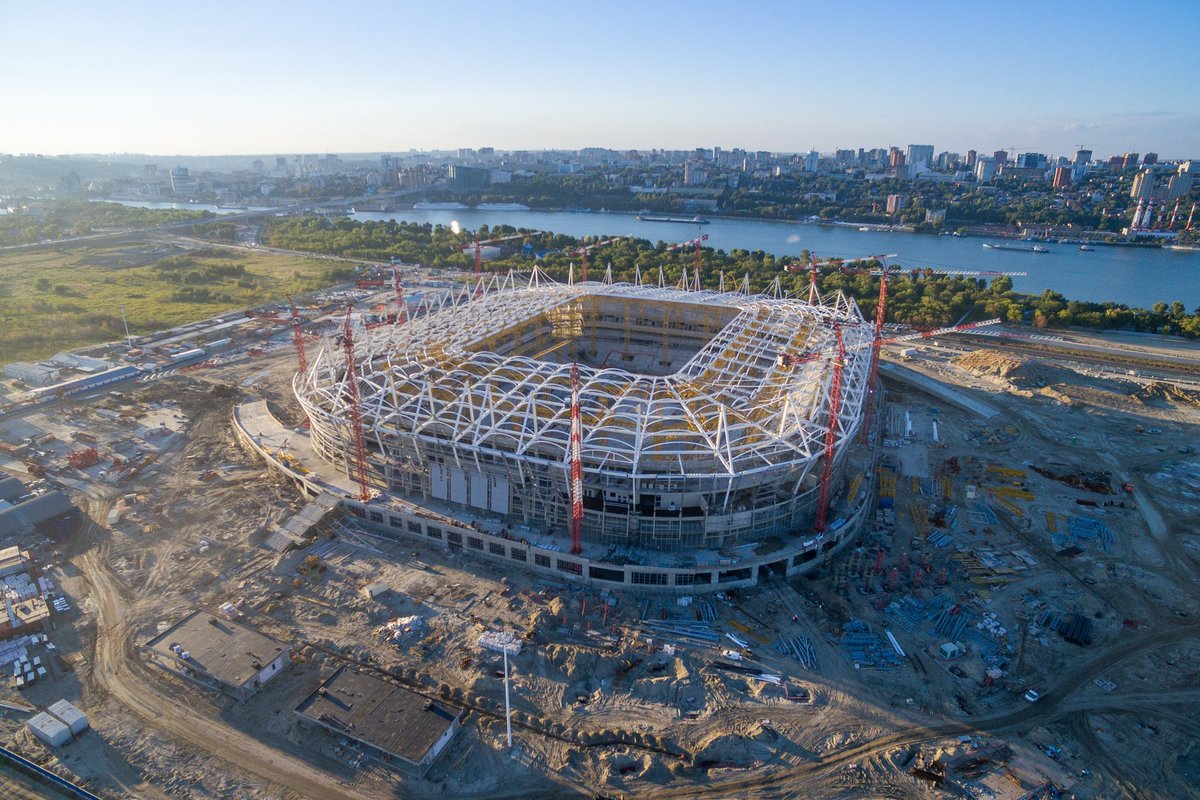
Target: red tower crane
835,397
298,339
478,245
835,408
583,252
576,466
360,443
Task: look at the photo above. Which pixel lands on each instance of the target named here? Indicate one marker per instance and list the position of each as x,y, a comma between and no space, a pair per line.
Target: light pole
128,338
507,708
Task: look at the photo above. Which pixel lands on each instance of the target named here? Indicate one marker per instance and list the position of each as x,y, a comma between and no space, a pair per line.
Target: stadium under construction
620,433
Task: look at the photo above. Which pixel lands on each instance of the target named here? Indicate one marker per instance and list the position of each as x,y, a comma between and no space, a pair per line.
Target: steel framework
734,420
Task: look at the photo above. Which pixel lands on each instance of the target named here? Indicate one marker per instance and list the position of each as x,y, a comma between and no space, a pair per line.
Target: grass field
61,298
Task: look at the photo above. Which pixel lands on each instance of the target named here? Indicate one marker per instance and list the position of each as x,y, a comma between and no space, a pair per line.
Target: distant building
258,167
1000,157
895,158
985,168
896,203
385,720
1082,157
183,183
1062,177
1032,161
1143,185
1150,159
462,177
935,216
919,159
219,653
149,171
812,161
694,174
1179,184
971,156
70,184
1129,160
32,374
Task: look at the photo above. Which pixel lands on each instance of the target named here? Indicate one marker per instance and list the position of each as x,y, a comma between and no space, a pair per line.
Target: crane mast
835,408
576,466
360,443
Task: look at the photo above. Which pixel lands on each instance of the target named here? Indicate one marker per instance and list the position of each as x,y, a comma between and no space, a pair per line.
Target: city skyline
298,78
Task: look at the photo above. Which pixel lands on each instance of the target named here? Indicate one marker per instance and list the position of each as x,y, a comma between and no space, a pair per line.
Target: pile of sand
989,364
753,746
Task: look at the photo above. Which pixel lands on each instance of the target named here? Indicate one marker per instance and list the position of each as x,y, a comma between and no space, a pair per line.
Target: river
1135,276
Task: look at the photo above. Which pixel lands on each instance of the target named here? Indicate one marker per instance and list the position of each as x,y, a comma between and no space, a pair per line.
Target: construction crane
583,252
813,267
360,443
478,246
697,242
576,465
827,454
835,397
298,339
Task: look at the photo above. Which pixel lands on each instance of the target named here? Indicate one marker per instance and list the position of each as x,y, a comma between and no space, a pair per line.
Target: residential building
1082,157
985,168
896,203
1150,159
694,174
1179,184
462,177
1062,177
1129,160
971,157
919,159
1143,185
812,161
1032,161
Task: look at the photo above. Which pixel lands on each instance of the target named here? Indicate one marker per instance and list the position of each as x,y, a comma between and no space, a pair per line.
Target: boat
683,220
502,207
1037,248
1087,248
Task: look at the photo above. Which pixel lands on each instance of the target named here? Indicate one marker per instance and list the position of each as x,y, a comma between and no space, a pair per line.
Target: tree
43,284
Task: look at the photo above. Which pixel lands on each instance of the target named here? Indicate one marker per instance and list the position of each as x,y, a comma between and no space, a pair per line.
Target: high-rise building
1143,185
1179,184
462,177
258,167
1000,157
896,203
1082,157
895,157
985,168
971,156
1032,161
920,158
1129,160
1150,159
812,161
1062,177
694,174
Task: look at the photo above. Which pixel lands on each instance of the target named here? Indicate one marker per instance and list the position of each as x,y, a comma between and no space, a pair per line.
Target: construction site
520,538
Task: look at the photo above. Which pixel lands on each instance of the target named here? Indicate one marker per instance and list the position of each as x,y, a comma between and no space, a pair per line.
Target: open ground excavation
1008,538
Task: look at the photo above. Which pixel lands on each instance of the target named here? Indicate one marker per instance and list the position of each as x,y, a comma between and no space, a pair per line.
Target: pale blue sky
264,77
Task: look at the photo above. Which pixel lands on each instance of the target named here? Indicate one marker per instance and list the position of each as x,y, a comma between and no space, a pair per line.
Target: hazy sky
261,77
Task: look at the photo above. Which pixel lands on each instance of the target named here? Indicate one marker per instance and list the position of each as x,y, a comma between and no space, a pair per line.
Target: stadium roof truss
732,408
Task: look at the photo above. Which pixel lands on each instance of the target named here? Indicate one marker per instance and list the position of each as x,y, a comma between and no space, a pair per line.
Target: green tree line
915,297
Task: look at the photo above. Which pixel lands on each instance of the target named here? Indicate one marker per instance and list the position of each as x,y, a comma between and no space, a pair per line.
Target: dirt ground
984,542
